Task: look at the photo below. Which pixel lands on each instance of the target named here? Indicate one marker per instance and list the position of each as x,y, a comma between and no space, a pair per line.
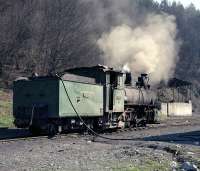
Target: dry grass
147,165
6,118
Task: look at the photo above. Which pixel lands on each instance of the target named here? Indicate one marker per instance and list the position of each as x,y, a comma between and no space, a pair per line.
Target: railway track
106,132
29,138
154,126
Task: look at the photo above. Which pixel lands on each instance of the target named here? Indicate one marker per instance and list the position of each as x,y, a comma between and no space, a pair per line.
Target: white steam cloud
142,41
150,47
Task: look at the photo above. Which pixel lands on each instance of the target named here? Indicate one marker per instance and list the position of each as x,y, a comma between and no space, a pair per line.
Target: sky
187,2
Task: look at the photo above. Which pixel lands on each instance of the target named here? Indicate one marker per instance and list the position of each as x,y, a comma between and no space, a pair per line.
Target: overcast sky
186,2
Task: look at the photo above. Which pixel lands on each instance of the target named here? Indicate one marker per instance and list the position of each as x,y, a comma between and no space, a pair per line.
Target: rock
187,166
178,146
190,153
137,152
173,164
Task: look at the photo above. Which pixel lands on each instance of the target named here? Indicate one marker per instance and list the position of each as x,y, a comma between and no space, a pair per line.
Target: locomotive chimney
143,81
128,78
127,75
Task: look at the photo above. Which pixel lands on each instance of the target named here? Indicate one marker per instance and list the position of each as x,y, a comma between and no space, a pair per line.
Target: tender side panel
86,98
42,94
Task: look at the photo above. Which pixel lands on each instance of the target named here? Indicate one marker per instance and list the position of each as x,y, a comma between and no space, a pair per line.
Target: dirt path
162,147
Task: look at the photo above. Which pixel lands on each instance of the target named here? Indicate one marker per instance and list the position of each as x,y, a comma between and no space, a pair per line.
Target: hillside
49,36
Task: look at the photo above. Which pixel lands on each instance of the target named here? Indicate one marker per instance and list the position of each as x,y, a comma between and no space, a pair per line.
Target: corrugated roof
103,68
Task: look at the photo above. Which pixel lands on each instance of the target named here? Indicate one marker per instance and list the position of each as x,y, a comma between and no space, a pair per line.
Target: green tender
86,98
26,94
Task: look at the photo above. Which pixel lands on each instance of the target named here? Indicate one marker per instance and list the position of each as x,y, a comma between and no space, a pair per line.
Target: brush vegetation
147,165
6,118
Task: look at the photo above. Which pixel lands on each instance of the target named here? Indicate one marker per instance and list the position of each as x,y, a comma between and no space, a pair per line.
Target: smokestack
127,75
128,79
143,81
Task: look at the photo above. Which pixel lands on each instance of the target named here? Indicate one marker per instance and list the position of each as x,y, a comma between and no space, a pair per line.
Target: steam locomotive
99,97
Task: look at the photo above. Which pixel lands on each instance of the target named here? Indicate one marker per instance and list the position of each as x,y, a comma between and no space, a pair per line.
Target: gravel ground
165,146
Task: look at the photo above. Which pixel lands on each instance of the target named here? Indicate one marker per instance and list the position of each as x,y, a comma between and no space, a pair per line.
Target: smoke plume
144,42
149,48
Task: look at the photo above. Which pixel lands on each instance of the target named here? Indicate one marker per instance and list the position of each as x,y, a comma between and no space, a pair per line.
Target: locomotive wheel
96,126
138,122
151,118
142,123
52,129
133,122
34,130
